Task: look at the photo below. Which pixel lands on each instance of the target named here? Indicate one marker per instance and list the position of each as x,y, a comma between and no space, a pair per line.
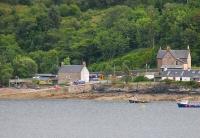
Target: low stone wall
140,85
79,88
143,85
133,87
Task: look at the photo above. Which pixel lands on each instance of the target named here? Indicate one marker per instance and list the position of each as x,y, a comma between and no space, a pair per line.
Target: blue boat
187,104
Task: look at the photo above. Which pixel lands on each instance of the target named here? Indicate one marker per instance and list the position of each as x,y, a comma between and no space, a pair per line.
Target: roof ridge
71,68
72,65
175,53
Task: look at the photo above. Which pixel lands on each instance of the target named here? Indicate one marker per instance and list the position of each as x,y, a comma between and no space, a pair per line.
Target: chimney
168,48
84,63
188,47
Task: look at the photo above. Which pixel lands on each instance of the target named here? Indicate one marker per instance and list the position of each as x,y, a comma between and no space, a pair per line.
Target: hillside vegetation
37,35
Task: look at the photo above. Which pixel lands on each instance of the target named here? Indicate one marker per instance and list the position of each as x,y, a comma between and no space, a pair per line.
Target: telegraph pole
146,67
114,70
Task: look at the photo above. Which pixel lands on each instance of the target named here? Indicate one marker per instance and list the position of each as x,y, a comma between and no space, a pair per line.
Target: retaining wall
79,88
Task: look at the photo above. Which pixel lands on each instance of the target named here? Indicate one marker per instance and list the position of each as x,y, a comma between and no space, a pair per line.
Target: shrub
168,81
192,84
64,10
6,72
140,79
70,10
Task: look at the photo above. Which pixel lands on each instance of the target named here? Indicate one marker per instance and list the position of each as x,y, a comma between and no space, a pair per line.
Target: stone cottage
71,73
174,59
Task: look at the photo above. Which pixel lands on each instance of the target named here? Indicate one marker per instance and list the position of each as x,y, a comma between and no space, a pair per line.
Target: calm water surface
92,119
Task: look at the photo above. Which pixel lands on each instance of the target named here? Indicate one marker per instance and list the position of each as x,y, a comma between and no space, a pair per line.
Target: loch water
96,119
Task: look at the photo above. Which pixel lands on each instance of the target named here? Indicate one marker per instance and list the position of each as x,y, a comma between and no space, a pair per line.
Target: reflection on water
92,119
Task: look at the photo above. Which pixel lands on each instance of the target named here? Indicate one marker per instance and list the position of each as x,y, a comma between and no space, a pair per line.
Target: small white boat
187,104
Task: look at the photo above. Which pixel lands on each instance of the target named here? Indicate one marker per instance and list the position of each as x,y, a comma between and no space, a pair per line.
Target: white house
71,73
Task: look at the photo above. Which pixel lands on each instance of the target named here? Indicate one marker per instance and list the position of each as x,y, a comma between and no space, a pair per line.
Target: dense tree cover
46,61
66,61
104,33
6,72
136,59
24,67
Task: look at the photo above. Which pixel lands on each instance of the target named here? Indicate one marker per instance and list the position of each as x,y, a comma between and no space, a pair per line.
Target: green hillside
37,35
136,59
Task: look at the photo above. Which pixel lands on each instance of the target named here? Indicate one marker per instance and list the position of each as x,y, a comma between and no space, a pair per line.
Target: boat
137,101
134,99
187,104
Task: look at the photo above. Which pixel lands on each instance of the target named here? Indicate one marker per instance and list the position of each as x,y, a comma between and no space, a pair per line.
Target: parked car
94,79
77,82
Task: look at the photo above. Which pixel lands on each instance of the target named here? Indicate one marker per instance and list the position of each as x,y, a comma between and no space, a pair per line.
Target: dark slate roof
181,73
179,54
71,68
45,75
172,66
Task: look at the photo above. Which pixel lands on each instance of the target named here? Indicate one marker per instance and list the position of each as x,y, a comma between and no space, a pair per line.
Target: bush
140,79
167,81
64,10
35,81
70,10
74,10
126,79
192,84
6,73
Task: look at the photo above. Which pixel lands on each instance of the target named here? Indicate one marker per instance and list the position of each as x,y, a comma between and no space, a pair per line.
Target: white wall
185,78
85,74
169,78
164,78
149,76
177,78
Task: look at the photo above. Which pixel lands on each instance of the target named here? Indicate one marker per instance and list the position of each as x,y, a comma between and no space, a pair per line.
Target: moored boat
187,104
134,99
137,101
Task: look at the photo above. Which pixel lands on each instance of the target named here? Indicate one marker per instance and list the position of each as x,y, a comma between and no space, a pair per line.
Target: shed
46,78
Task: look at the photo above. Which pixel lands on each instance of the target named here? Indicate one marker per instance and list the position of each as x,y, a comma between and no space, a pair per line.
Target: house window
176,62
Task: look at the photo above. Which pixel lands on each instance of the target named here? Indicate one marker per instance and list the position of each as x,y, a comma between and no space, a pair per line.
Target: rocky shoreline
100,96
